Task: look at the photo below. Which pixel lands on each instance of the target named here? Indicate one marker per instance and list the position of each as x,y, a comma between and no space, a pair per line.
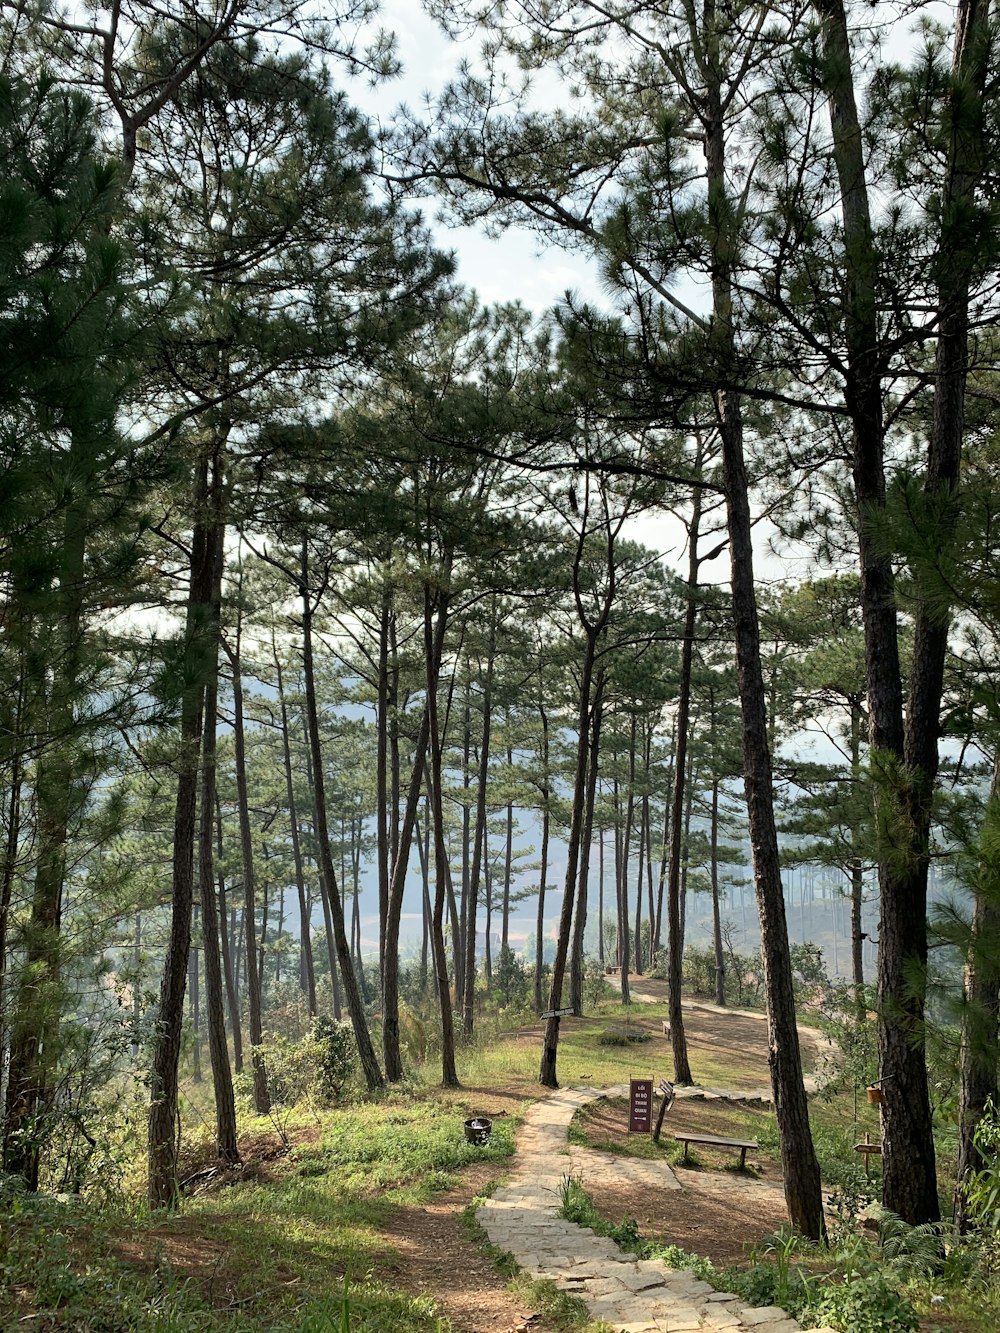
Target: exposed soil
436,1258
719,1213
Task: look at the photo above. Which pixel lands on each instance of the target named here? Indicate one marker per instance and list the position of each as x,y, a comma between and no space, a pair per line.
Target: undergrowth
851,1292
282,1243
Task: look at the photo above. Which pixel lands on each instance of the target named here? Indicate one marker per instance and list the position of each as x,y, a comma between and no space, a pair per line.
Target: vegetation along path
634,1296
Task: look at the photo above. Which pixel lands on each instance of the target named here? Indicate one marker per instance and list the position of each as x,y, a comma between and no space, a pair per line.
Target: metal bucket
478,1129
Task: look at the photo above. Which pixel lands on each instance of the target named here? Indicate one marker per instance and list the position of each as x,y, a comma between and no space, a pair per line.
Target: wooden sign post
640,1106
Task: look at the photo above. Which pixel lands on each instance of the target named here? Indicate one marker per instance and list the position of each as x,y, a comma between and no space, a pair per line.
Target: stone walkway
633,1296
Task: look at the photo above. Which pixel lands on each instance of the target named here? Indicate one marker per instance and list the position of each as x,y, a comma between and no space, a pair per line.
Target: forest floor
719,1213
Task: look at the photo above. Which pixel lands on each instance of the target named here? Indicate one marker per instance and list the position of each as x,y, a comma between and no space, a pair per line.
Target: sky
511,266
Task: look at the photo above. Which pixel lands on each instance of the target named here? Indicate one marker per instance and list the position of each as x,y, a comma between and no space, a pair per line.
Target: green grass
283,1244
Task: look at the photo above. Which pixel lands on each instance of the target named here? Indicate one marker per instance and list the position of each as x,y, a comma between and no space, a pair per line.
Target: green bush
863,1305
335,1044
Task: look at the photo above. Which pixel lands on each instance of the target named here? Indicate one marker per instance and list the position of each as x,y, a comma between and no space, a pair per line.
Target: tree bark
225,935
307,966
479,842
449,1073
909,1185
799,1164
550,1044
163,1191
222,1078
391,1055
544,857
580,921
355,1005
261,1095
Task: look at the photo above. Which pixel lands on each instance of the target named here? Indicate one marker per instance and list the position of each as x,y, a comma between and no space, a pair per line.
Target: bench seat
713,1141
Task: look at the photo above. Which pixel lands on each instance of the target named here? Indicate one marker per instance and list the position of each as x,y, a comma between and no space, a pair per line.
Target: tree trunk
391,1054
544,857
222,1078
622,845
449,1073
508,863
307,967
163,1187
324,892
909,1185
580,922
382,797
675,933
720,957
550,1046
38,998
225,935
469,993
355,1006
640,868
261,1096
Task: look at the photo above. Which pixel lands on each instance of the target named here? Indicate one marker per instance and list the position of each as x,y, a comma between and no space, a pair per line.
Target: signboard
640,1106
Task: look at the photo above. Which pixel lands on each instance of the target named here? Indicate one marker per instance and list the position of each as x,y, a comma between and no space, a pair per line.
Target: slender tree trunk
391,1054
225,936
307,966
600,897
261,1096
487,953
382,793
460,942
799,1165
324,890
544,858
355,1005
222,1078
163,1186
424,853
550,1047
508,863
580,922
469,993
194,1002
720,957
621,899
648,842
664,850
675,933
640,868
449,1073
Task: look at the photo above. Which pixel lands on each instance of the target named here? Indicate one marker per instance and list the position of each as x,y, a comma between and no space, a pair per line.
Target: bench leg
743,1159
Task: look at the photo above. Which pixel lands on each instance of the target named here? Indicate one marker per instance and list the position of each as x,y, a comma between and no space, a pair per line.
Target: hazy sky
505,269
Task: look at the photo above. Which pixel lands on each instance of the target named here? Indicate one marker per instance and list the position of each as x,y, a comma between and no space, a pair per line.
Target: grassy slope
272,1252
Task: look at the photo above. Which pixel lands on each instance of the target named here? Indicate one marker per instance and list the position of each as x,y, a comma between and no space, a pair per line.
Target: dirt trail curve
633,1296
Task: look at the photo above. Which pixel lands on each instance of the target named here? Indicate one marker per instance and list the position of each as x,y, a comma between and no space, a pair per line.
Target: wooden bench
712,1141
667,1100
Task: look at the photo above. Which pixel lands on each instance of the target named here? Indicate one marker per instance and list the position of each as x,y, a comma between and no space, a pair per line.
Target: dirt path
716,1213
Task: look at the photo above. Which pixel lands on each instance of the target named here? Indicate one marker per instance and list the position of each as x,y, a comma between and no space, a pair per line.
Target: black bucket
477,1130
